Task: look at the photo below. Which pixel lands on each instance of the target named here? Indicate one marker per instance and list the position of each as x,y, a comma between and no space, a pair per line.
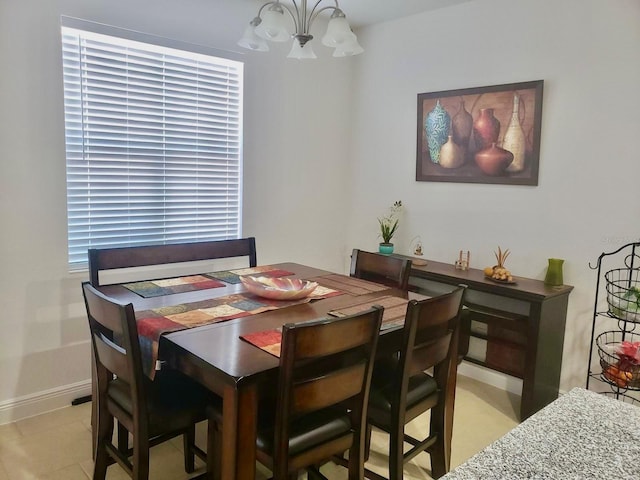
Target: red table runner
395,309
168,286
153,323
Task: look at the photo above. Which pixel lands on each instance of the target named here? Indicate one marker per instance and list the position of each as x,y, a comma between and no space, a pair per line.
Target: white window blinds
153,144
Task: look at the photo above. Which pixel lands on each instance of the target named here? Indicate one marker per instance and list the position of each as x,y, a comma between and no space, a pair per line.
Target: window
153,143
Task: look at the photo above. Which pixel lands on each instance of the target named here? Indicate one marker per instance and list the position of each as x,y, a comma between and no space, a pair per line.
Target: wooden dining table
239,372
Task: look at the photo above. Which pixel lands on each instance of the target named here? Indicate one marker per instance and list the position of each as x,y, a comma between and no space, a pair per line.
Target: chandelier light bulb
273,26
348,48
252,41
301,51
338,30
275,19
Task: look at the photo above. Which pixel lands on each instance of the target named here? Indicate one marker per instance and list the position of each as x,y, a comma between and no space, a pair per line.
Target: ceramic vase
554,272
385,248
451,154
493,160
437,130
486,129
514,138
461,125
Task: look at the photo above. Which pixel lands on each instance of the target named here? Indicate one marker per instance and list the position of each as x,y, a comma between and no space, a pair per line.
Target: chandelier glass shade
273,24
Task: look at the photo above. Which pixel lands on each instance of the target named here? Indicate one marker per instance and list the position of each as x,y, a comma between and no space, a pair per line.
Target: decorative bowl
278,288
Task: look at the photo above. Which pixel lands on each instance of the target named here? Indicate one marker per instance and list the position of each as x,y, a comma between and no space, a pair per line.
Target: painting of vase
455,125
486,129
461,125
514,138
437,128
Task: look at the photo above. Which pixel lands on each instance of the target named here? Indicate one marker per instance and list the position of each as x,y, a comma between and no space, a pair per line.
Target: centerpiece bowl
278,288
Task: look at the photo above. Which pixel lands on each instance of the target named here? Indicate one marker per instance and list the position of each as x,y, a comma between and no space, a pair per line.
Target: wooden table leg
239,417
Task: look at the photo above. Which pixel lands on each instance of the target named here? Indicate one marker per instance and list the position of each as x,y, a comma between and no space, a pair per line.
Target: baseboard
491,377
48,400
42,402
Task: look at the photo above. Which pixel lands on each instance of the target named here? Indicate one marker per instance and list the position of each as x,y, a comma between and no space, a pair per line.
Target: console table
521,324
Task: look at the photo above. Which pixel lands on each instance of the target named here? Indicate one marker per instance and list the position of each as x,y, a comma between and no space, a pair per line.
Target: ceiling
367,12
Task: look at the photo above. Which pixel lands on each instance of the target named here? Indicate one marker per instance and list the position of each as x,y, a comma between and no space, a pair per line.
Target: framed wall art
480,135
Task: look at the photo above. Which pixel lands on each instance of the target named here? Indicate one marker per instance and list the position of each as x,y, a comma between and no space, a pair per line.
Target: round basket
617,371
623,293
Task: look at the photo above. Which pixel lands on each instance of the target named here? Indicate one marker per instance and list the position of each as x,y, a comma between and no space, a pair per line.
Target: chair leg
367,442
188,440
140,459
438,464
104,433
396,457
440,451
101,461
123,439
356,464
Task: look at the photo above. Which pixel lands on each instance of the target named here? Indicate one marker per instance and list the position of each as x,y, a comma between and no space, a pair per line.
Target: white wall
328,145
587,200
295,153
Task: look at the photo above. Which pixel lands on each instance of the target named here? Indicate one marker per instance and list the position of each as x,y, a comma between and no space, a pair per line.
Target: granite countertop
581,435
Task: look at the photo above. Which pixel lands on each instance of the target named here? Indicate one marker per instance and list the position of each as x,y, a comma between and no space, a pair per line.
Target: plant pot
386,248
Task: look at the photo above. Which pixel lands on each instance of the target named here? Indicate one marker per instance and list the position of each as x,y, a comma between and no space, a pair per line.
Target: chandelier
272,24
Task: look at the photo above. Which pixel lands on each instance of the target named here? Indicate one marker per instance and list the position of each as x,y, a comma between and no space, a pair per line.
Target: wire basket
623,293
622,397
617,369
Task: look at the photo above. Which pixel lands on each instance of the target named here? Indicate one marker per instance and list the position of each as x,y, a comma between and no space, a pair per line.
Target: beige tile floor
57,445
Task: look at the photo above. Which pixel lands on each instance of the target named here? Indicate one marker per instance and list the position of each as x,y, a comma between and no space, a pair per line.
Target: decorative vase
514,138
493,160
461,126
554,272
486,129
386,248
451,154
437,130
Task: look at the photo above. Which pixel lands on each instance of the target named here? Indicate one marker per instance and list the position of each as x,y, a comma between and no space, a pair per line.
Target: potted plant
388,227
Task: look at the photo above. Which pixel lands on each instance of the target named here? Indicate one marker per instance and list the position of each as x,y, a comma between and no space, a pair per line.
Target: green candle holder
554,272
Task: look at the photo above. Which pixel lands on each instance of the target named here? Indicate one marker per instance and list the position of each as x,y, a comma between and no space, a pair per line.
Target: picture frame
480,135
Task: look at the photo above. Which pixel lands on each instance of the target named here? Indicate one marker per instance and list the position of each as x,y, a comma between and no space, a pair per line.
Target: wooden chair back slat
146,255
427,355
112,357
330,389
384,269
330,337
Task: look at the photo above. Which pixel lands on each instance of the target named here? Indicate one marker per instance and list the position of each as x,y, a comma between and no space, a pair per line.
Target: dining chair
152,411
321,401
101,259
384,269
401,389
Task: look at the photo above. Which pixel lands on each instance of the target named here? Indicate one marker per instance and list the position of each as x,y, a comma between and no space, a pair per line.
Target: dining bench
101,259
